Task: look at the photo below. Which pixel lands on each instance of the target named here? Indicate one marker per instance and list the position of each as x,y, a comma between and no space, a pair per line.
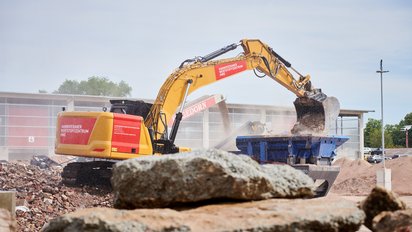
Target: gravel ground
40,195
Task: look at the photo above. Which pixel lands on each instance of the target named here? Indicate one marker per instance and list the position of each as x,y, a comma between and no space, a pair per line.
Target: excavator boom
195,73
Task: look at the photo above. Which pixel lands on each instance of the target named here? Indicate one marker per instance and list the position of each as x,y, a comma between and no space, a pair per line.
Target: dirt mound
358,177
40,196
401,174
352,167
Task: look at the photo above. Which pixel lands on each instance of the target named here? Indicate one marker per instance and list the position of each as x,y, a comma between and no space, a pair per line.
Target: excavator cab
139,108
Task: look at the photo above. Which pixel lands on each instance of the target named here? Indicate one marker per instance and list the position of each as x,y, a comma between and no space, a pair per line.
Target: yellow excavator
135,128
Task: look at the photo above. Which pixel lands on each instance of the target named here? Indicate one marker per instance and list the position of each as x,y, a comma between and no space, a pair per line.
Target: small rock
48,201
22,208
49,189
70,193
398,221
21,202
380,200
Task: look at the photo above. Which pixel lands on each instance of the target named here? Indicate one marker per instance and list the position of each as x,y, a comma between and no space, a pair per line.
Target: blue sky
339,43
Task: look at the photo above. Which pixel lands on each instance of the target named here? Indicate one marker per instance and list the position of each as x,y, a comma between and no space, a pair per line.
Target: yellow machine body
102,135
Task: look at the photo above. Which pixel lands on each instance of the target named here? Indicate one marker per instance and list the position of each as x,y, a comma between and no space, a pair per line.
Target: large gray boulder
170,180
320,214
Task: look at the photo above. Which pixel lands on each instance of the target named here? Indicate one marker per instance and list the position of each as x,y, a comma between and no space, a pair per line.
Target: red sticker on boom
225,70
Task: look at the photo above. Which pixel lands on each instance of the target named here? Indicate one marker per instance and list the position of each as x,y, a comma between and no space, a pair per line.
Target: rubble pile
40,196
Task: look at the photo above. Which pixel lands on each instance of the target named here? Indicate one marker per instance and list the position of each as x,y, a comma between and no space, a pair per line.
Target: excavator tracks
87,173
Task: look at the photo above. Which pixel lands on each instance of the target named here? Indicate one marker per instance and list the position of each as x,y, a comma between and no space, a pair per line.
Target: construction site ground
357,177
41,196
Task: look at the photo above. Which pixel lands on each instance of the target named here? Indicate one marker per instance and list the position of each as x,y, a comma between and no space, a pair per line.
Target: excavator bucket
314,116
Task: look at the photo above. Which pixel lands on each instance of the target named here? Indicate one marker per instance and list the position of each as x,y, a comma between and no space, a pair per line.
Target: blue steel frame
280,149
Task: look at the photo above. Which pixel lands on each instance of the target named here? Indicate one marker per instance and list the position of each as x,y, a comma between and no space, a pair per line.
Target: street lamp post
383,129
384,176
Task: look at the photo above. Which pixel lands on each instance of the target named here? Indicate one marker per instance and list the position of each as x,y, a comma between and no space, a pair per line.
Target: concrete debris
41,196
170,180
398,221
43,161
267,215
22,208
380,200
7,223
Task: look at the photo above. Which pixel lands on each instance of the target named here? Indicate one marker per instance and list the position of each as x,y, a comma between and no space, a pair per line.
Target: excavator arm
201,71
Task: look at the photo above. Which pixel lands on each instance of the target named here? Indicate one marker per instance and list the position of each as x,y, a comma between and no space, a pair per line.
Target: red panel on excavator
228,69
76,130
126,133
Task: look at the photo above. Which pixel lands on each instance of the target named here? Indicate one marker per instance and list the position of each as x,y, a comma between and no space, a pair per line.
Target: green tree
373,134
399,135
69,87
376,138
371,126
407,120
394,135
100,86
